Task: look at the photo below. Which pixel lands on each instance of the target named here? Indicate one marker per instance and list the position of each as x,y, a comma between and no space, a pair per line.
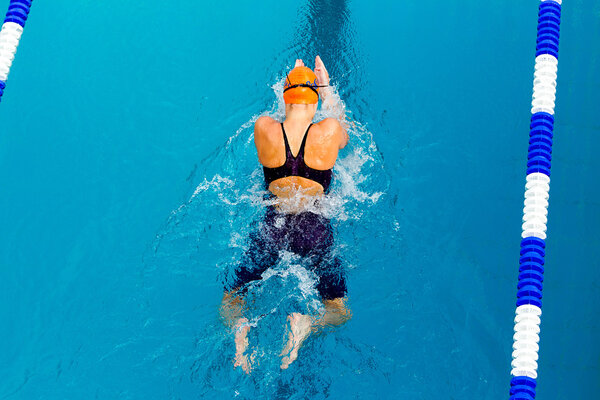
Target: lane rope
10,35
535,211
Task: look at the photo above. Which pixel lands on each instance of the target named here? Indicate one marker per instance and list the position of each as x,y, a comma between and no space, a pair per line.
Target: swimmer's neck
300,113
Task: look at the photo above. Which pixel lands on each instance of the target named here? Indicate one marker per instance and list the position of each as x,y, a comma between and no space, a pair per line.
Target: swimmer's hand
299,63
321,72
330,100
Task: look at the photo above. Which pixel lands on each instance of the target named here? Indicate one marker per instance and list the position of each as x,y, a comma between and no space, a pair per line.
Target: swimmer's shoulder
331,129
268,139
265,128
264,123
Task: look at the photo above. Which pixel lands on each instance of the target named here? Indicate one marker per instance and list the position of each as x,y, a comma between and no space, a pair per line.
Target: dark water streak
326,30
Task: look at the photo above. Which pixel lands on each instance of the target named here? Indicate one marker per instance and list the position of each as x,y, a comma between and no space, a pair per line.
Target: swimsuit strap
301,150
288,149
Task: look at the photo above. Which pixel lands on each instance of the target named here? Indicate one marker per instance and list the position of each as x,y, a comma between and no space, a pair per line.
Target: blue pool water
130,181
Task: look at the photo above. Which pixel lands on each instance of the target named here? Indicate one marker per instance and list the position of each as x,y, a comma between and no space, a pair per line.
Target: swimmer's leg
336,313
300,328
232,308
263,251
241,345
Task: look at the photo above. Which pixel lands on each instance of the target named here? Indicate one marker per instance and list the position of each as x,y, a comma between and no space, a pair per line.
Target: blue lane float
535,212
10,35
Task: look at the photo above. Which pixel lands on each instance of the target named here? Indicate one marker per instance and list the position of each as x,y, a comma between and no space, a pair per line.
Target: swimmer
297,156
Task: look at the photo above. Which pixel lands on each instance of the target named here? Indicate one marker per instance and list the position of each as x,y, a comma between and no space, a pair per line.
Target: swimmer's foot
300,327
241,329
242,360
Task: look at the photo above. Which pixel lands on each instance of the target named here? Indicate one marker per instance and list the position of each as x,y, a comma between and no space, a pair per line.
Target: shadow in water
327,30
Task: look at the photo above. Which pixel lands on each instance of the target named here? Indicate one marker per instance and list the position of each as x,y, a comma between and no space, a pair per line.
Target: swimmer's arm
332,105
263,128
343,133
333,125
330,100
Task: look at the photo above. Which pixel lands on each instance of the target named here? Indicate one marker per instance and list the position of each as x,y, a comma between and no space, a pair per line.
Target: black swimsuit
307,234
296,166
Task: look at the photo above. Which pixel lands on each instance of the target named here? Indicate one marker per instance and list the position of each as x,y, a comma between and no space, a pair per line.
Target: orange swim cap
300,87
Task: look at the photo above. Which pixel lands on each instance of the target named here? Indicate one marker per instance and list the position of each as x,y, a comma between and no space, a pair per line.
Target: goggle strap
311,87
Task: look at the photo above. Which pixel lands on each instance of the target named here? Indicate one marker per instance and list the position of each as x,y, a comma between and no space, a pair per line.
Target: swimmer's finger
319,63
320,66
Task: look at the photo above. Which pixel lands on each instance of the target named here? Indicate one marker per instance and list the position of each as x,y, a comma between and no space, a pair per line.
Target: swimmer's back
323,141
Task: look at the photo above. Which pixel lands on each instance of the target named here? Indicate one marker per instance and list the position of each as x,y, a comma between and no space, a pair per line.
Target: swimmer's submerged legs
310,236
301,326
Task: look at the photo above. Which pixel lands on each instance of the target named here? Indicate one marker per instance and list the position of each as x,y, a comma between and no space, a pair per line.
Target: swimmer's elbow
343,133
345,139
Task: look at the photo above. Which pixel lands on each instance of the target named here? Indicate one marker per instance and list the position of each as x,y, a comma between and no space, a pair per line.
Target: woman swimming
297,158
